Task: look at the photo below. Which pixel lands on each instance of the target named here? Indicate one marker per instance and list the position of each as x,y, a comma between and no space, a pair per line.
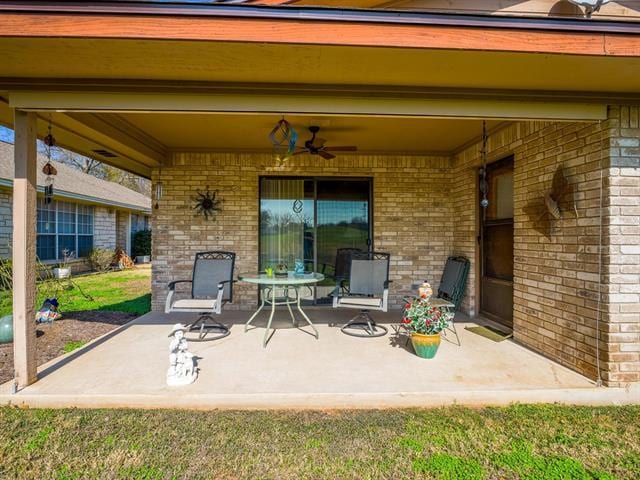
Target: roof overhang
61,194
315,26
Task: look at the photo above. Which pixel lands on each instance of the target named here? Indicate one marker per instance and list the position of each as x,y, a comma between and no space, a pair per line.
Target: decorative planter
425,346
62,272
143,259
6,329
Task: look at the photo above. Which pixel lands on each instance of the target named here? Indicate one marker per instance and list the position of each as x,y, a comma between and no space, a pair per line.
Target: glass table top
290,279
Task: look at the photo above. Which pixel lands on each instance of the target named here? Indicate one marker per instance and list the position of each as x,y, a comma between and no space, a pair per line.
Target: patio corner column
24,249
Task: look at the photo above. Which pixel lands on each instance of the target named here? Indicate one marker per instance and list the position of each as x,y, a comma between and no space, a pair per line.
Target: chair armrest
387,282
172,285
221,284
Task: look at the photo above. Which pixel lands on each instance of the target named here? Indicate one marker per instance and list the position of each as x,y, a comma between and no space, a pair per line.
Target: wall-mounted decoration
48,169
544,211
207,203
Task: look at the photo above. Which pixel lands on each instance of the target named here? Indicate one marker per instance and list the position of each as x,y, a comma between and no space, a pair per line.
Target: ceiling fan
316,146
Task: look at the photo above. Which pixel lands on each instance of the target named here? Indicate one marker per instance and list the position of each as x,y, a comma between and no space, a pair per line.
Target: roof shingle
75,183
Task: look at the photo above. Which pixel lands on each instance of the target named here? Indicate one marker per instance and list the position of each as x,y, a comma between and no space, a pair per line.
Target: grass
518,442
73,345
121,291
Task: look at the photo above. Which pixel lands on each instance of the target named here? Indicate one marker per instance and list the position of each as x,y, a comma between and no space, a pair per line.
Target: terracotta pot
425,346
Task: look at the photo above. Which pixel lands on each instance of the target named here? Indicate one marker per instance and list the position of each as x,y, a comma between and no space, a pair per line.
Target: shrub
6,274
101,259
142,243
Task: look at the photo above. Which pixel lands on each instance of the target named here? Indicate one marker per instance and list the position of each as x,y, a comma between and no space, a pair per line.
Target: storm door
496,244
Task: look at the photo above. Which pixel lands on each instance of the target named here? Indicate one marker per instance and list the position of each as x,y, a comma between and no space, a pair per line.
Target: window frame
54,209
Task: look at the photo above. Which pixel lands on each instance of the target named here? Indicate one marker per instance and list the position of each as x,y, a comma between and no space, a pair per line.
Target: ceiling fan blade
326,155
318,142
301,151
349,148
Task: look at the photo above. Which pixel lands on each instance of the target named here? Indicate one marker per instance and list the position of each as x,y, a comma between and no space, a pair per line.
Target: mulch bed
74,327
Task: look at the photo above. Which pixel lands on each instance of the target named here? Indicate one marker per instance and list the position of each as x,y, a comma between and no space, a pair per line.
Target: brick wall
412,218
556,280
621,272
426,208
104,228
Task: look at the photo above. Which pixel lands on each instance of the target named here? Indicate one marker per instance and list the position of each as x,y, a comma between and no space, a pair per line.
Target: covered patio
189,101
127,369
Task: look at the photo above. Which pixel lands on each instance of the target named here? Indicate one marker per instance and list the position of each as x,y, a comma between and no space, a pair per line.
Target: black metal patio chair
211,288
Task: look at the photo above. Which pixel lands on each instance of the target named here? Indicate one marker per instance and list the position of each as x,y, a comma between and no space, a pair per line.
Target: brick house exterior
111,226
425,209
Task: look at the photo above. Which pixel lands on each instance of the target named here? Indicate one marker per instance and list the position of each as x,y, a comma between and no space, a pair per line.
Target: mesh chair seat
360,302
195,304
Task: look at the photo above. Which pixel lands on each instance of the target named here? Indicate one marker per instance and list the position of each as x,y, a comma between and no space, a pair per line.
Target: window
63,226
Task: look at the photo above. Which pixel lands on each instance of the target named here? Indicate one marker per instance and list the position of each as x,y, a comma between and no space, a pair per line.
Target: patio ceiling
249,132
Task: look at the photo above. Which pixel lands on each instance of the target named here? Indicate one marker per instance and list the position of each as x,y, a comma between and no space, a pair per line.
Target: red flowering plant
422,317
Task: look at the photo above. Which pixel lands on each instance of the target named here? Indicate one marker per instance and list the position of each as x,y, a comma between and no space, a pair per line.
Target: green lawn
519,442
121,291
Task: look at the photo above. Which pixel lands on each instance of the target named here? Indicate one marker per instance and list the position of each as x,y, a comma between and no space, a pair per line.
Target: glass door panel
342,212
310,219
286,222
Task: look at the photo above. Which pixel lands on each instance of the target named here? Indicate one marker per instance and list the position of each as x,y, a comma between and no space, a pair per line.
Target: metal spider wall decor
207,203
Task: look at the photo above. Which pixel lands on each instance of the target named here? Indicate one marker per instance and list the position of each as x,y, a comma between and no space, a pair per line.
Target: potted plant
63,270
424,322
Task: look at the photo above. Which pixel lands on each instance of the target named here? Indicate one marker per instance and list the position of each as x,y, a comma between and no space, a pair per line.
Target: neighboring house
187,93
85,213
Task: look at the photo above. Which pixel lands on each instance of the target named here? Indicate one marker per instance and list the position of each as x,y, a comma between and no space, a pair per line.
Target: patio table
291,283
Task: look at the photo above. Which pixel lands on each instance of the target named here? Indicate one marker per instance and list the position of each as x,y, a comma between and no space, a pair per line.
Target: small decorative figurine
182,363
299,267
425,290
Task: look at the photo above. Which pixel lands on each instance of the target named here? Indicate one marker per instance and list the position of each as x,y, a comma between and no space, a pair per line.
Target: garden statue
182,363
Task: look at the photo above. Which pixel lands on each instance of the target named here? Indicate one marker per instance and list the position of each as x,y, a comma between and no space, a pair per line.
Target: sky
6,134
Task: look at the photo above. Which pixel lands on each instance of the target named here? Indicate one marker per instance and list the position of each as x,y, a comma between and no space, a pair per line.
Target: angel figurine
182,363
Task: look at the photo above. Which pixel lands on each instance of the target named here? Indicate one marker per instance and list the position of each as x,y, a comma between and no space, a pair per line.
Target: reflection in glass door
310,220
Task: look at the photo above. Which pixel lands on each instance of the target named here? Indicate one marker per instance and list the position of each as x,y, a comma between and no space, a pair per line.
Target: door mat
491,333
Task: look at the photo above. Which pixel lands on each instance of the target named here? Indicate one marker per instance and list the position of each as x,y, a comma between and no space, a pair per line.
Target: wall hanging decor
48,169
544,211
159,190
484,185
207,203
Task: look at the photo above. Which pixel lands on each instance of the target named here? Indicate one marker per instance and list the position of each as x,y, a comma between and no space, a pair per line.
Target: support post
24,249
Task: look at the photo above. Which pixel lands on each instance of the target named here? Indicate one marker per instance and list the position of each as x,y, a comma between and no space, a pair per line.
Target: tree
94,167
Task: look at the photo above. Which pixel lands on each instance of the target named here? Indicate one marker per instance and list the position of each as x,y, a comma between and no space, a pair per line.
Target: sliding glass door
310,219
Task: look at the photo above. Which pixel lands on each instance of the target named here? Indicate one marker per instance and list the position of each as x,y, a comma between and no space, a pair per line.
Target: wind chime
484,185
48,169
283,139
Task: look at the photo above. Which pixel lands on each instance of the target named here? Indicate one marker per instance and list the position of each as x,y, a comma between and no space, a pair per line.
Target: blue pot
6,329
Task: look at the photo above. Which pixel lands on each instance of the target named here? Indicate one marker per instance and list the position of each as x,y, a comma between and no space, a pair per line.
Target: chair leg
208,329
362,325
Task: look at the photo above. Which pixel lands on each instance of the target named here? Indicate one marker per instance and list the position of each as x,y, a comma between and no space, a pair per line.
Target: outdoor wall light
159,192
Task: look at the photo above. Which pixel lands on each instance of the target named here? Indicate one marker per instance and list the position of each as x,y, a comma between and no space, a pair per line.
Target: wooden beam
315,32
24,249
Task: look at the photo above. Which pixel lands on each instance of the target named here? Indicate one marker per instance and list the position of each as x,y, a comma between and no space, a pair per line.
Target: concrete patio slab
127,368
